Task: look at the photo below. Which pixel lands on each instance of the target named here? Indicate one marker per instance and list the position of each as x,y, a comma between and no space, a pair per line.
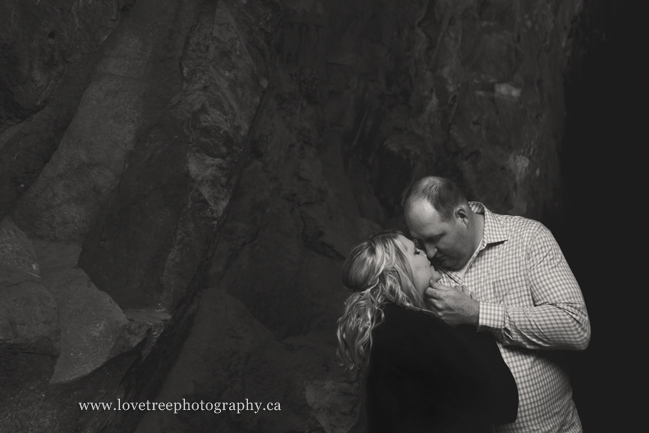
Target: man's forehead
423,220
422,211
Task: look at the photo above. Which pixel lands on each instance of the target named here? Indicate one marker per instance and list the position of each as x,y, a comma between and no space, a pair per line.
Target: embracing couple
448,328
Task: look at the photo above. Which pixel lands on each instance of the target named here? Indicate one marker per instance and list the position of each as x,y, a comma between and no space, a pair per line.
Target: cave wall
120,139
181,180
365,98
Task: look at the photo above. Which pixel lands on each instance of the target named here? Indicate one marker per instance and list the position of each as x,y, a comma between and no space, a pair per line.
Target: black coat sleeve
499,402
424,375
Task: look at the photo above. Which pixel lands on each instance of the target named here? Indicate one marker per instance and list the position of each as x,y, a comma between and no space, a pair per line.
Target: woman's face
422,270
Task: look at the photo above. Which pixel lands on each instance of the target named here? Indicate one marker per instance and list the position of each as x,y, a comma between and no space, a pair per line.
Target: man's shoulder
518,223
521,223
511,227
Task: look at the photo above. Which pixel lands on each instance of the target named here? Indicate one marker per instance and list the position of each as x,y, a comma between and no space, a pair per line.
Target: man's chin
446,263
443,262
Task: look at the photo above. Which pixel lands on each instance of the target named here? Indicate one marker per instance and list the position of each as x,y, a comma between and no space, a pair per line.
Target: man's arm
558,319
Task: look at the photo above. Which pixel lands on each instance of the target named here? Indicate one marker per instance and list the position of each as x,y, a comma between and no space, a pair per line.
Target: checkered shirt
530,301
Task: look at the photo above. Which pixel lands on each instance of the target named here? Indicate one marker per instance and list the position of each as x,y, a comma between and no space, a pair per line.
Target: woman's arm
455,374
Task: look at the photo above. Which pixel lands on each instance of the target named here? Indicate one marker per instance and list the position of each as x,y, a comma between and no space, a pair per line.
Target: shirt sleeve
558,318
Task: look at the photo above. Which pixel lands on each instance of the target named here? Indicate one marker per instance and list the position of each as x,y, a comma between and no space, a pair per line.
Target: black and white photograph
322,216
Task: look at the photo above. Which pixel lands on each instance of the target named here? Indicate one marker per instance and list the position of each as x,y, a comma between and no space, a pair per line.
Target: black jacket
426,376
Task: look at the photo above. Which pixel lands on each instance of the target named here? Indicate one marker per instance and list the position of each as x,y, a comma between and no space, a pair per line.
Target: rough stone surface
241,355
284,251
16,250
47,55
152,123
158,150
93,328
39,42
31,404
28,312
28,319
156,227
334,404
123,98
91,345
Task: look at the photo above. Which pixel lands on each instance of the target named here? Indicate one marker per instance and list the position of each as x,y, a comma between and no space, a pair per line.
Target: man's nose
430,251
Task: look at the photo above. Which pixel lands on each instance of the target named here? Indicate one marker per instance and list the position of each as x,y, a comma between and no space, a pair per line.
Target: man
505,275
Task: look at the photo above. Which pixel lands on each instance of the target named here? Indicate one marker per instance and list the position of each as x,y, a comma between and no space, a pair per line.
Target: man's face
447,242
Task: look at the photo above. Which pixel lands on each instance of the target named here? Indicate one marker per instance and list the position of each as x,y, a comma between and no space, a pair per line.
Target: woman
420,374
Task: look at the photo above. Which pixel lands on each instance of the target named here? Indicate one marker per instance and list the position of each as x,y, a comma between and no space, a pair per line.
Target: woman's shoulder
401,325
400,321
396,314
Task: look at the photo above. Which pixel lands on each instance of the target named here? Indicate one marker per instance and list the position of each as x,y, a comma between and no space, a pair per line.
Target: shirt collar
494,229
494,232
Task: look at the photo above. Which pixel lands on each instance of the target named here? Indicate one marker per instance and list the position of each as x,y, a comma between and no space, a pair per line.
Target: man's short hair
443,194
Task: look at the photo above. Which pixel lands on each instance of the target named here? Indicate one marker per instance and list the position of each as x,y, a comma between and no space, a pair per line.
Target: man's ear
462,215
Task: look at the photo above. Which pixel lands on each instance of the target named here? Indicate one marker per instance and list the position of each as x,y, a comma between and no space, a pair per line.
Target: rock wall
181,180
116,170
366,97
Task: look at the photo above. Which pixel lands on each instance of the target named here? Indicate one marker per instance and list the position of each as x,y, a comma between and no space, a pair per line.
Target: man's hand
453,305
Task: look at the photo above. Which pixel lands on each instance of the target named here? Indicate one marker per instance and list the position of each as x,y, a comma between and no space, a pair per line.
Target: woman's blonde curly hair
377,270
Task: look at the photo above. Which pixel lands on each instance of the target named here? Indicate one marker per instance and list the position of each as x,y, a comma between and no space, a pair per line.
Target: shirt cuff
492,317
